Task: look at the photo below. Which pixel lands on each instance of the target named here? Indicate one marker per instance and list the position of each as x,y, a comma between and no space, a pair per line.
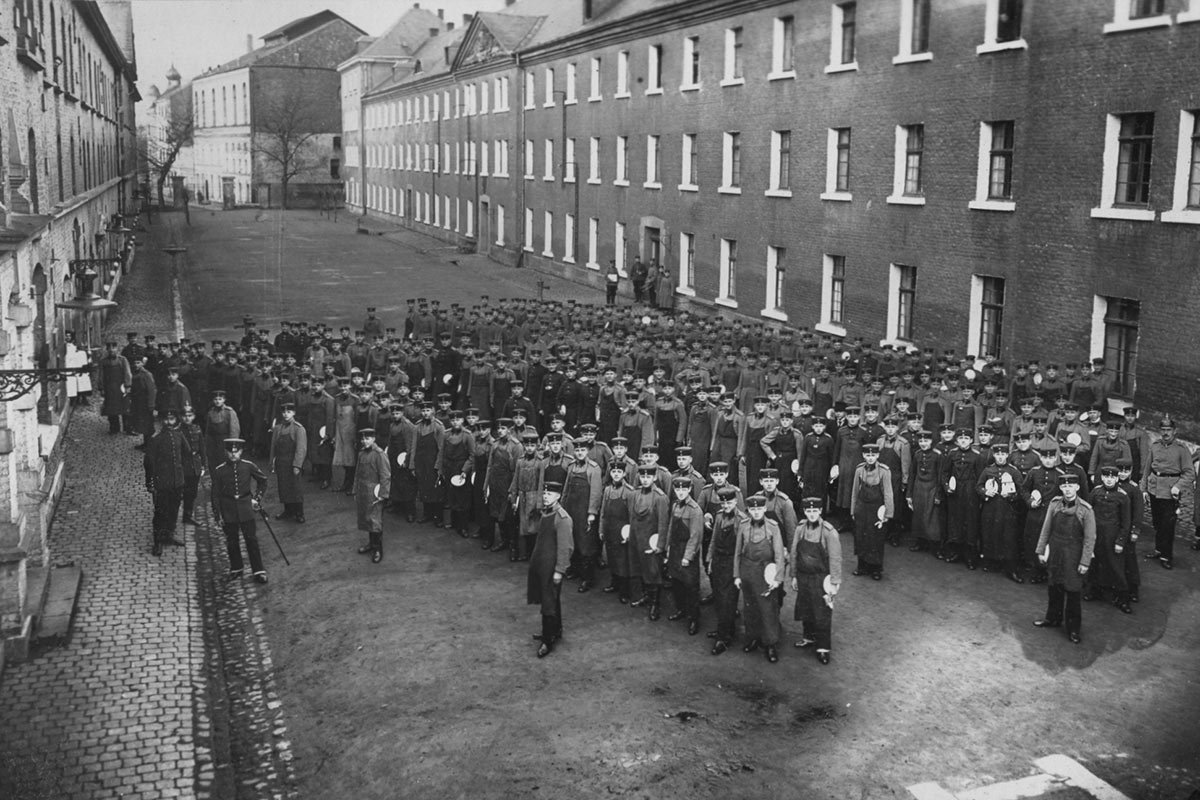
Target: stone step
54,623
37,581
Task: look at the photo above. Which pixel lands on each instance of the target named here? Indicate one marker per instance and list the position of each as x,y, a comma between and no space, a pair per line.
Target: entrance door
484,243
653,247
228,200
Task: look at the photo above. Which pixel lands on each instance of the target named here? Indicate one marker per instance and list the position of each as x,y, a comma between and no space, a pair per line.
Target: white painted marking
176,308
1078,776
1032,786
930,791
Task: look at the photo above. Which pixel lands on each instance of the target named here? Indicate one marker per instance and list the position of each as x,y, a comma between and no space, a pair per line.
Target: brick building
67,170
993,176
282,96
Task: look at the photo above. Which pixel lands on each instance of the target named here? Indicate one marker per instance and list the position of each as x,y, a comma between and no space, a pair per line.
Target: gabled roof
405,37
298,27
432,56
293,32
493,34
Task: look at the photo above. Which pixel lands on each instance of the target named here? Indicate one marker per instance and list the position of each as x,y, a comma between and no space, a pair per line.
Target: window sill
568,260
686,291
527,249
830,328
594,181
1121,26
1185,216
569,179
499,243
732,82
992,205
596,98
528,107
728,302
548,178
529,178
774,313
778,193
657,90
688,187
1000,47
691,87
912,58
1184,17
835,68
592,265
547,105
905,200
620,182
1130,214
651,185
837,197
570,101
729,190
790,75
622,96
548,254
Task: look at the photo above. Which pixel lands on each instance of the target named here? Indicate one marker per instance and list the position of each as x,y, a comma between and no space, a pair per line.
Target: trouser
348,478
1059,598
375,540
114,423
435,512
1164,512
639,290
820,630
552,623
191,485
610,295
248,531
1133,577
294,510
685,589
725,597
587,569
166,510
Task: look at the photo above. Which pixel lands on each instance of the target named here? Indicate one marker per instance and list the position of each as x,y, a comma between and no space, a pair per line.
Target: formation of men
646,423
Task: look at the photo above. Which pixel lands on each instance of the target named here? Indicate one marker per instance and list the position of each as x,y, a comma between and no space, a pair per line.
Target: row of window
73,67
1002,31
1128,159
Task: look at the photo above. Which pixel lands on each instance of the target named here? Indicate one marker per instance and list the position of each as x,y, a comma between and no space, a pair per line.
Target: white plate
795,466
321,432
458,480
624,533
882,513
769,573
377,491
653,541
827,585
401,459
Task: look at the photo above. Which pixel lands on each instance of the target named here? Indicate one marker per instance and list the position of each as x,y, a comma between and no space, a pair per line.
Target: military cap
1068,477
443,397
924,434
615,465
1000,447
768,473
456,414
647,449
1109,469
1022,436
961,432
426,404
683,450
554,437
287,407
870,449
760,399
552,486
811,502
681,483
1166,423
231,444
727,492
529,437
756,501
588,427
647,469
619,441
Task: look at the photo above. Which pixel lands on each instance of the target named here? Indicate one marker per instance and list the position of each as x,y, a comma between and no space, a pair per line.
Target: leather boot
655,612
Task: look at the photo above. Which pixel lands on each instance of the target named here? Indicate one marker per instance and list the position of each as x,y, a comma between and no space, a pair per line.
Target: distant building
286,91
67,172
165,122
999,177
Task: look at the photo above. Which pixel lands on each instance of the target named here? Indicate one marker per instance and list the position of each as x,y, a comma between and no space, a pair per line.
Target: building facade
67,158
165,139
282,97
994,177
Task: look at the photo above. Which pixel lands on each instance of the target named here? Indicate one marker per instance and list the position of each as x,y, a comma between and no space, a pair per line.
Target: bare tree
285,123
160,158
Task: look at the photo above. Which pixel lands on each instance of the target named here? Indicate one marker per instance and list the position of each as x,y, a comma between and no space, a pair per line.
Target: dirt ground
417,678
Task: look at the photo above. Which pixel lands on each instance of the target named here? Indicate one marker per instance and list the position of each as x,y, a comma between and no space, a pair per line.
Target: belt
1158,474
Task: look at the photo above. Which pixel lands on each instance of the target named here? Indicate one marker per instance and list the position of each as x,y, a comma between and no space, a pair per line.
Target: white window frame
548,89
690,45
593,242
572,76
569,238
905,54
826,324
499,225
622,163
836,64
654,69
622,75
774,189
991,30
569,164
731,57
653,143
831,168
1192,14
1108,183
728,270
594,161
548,234
1179,212
548,161
893,312
528,246
530,90
774,304
779,32
687,248
529,159
727,140
484,98
471,218
446,213
983,175
899,168
596,94
620,245
975,313
1121,21
484,153
687,181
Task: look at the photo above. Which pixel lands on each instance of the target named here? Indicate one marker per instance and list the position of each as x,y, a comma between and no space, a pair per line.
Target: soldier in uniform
685,532
289,448
142,394
372,482
525,496
168,456
195,467
237,488
582,494
758,544
726,520
548,564
1000,517
816,555
651,515
1111,507
1065,547
616,512
116,377
1165,473
963,467
871,491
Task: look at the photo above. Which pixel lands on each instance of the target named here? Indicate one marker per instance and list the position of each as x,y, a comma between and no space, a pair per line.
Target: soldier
756,426
372,325
895,453
582,494
142,394
616,512
501,465
194,467
345,434
782,446
1166,471
525,497
426,459
1000,517
289,449
962,469
873,507
372,481
235,503
1109,451
168,456
651,515
1137,510
1065,546
685,532
116,377
1111,506
759,544
548,564
457,467
816,557
726,520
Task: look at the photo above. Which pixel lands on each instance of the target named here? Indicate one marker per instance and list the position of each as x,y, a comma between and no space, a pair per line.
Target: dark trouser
725,597
820,631
191,485
610,294
1059,597
347,478
166,510
1133,577
114,423
639,290
1163,511
249,532
552,623
435,512
294,510
685,589
375,540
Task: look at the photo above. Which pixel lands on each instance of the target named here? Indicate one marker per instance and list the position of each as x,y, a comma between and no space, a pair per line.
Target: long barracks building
992,176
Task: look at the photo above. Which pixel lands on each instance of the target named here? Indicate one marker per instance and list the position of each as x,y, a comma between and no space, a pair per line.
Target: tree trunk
283,187
161,180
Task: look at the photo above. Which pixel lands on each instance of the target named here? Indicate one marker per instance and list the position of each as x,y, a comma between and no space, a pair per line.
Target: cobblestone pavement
135,704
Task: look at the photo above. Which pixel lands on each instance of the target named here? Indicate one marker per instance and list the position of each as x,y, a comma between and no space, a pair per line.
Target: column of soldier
508,414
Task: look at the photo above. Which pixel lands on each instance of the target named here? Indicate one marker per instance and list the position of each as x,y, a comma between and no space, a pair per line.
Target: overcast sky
197,34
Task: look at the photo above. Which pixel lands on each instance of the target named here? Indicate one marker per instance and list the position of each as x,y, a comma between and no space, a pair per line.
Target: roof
405,36
298,27
432,56
275,41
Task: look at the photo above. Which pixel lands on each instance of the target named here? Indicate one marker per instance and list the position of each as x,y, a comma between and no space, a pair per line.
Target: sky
197,34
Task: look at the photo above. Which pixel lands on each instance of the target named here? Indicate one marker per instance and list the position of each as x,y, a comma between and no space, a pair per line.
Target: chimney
416,5
441,13
449,26
249,43
433,32
467,19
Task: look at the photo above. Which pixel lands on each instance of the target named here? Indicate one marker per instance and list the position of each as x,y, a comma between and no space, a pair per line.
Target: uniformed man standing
372,482
167,457
816,555
1165,473
725,523
289,448
237,488
1065,547
547,565
116,377
683,552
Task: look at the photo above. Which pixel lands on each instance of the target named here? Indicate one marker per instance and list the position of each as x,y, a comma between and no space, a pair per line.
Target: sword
262,512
